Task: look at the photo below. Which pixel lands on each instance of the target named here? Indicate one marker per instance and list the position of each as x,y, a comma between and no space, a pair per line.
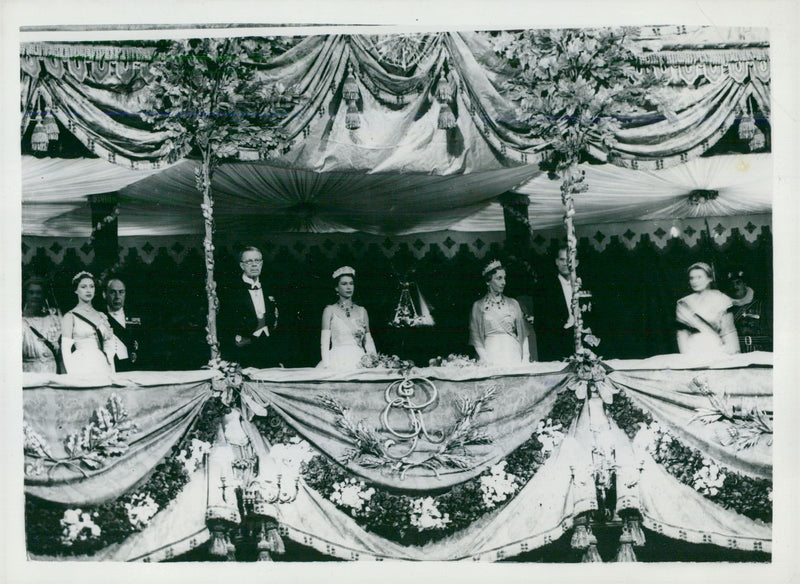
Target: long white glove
66,352
325,346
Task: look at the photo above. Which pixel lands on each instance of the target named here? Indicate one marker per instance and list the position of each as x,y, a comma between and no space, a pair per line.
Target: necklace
498,301
347,306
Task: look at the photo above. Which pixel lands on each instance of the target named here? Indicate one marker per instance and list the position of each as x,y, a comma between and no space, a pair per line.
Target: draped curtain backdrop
330,176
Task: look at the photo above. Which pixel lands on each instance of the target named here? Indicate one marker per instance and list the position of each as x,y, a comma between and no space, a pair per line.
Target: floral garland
454,361
748,496
57,530
413,520
381,361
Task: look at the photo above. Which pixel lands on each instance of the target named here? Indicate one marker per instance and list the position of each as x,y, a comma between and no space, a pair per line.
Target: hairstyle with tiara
344,271
76,279
490,269
704,267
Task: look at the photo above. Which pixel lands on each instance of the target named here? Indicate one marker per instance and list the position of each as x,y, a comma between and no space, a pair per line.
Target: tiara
80,275
493,265
344,271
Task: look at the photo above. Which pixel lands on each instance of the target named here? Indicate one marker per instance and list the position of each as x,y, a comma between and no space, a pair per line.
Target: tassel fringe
447,121
352,120
39,138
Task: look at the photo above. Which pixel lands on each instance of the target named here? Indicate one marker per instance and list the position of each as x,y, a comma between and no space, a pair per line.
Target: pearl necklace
346,306
498,301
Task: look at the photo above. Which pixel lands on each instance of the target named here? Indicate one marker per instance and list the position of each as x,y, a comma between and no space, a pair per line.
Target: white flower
497,486
292,455
141,510
549,435
426,515
353,494
77,526
192,461
708,479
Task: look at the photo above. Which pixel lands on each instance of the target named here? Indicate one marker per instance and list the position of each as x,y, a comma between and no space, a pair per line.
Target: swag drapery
398,155
540,513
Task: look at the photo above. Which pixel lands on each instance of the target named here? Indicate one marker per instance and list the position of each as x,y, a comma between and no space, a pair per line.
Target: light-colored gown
87,358
708,324
347,338
499,331
37,357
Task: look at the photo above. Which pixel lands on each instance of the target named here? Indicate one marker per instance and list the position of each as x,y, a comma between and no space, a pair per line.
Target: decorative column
515,216
104,239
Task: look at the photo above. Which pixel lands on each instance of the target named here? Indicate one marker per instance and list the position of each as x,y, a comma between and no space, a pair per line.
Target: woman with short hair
86,342
345,337
497,327
704,317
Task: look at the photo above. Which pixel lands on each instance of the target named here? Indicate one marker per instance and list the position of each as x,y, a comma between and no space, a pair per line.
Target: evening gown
87,358
703,320
37,356
347,339
500,331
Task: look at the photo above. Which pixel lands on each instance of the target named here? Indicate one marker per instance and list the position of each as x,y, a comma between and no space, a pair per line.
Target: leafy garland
58,530
412,520
748,496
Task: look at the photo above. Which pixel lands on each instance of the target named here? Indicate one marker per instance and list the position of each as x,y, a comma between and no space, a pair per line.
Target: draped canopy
397,172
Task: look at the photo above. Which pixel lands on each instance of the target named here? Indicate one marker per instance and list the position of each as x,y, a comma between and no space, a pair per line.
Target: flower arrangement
426,515
352,494
590,376
743,494
230,384
498,485
54,530
381,361
454,361
77,525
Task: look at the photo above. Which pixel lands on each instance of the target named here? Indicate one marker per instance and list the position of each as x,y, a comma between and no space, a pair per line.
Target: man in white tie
126,328
248,317
555,323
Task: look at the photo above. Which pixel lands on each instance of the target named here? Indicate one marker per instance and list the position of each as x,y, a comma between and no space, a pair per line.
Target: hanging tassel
269,540
591,554
51,127
350,87
219,544
444,91
625,552
447,121
352,120
39,139
634,527
757,142
580,537
747,127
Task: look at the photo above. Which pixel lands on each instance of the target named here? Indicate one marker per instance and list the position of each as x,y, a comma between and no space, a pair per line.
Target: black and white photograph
350,291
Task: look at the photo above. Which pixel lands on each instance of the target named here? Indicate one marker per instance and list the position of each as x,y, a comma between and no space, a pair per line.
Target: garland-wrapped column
203,176
572,184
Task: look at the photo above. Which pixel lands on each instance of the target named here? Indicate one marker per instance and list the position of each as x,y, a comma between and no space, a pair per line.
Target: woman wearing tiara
87,337
497,326
704,318
41,329
345,326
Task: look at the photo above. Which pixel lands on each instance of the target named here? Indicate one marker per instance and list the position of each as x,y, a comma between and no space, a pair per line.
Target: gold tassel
352,120
580,537
444,91
757,142
447,121
39,139
747,127
350,87
634,527
591,554
218,546
51,127
625,552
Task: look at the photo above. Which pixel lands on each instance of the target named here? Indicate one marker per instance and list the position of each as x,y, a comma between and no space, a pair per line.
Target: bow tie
255,286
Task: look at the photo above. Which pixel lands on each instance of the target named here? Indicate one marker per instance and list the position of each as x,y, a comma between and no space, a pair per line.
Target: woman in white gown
87,337
345,337
41,329
497,326
704,317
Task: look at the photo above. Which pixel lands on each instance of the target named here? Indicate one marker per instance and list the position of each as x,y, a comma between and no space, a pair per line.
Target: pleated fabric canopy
436,138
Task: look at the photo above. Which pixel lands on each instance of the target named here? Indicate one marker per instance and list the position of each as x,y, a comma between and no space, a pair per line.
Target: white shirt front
566,287
257,296
120,350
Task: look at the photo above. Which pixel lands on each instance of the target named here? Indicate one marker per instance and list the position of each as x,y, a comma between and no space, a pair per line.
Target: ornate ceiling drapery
398,90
